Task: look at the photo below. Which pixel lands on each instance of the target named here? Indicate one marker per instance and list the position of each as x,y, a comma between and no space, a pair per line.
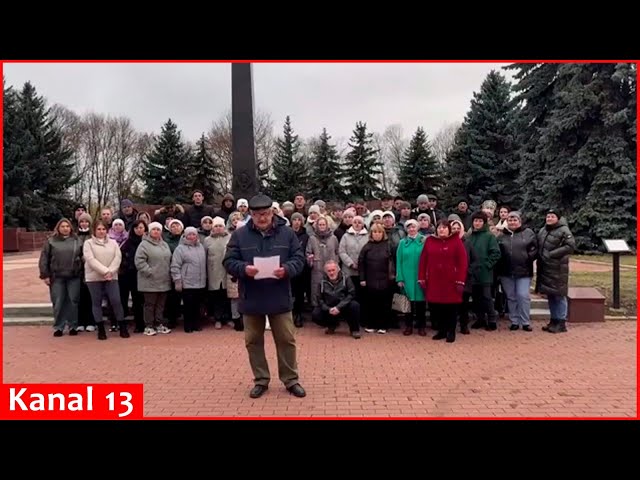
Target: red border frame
637,62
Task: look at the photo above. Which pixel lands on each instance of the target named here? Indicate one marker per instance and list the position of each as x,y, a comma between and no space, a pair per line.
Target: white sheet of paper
266,266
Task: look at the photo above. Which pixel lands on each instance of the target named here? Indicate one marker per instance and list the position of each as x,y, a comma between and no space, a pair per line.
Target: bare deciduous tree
219,143
443,140
72,127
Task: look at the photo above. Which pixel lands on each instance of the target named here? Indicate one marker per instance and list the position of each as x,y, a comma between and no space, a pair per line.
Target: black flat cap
260,202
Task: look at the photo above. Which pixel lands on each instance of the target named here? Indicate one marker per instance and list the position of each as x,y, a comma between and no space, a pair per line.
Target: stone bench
586,304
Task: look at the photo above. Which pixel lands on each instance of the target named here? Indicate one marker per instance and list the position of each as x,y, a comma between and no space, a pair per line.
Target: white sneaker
162,329
90,328
382,331
218,325
267,325
150,331
369,330
80,328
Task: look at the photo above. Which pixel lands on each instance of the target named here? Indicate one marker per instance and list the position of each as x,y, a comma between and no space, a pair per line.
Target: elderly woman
153,262
424,222
219,307
350,247
189,275
407,261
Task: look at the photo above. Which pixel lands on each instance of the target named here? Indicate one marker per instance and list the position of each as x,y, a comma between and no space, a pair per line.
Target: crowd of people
372,269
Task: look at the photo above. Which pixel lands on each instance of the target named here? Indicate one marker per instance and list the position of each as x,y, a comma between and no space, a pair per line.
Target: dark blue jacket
265,296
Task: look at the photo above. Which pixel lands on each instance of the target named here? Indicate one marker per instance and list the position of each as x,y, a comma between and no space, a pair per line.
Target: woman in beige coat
102,258
216,246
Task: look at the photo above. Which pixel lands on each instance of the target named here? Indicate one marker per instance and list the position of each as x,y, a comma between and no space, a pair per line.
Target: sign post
615,248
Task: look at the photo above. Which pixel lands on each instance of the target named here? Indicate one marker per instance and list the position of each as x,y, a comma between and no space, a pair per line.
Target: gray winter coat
350,247
555,244
189,264
153,262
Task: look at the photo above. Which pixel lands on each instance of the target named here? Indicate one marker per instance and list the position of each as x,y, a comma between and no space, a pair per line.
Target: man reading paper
267,235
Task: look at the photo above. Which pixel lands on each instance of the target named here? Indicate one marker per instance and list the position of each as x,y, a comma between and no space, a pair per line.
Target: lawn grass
603,281
627,259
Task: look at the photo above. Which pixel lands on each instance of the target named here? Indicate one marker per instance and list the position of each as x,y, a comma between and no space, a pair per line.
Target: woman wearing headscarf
153,262
457,228
189,274
85,309
407,261
219,307
349,250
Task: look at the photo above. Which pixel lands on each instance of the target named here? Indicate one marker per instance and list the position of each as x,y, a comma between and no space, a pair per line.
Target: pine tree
38,168
590,137
167,169
535,86
206,172
362,165
419,172
290,168
485,165
325,170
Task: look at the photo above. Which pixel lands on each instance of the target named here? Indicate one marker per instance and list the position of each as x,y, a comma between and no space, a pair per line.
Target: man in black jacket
336,301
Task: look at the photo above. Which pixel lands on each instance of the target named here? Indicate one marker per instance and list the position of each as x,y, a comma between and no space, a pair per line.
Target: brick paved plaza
590,371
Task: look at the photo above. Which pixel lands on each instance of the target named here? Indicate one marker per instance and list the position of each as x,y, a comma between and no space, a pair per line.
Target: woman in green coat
407,261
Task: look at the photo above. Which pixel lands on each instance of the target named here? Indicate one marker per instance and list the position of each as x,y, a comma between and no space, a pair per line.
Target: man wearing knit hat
127,213
268,294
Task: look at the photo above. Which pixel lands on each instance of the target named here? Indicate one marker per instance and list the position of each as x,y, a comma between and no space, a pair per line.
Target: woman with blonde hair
61,269
375,267
322,247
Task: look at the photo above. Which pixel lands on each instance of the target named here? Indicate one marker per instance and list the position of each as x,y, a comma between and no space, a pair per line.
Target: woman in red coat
442,273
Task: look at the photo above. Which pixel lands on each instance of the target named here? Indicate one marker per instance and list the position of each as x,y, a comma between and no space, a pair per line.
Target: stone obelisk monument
243,145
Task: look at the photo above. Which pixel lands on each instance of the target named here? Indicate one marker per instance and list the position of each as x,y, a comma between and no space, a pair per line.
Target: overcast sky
331,95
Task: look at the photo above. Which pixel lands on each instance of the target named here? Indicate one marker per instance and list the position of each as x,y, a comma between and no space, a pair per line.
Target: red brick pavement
21,281
590,371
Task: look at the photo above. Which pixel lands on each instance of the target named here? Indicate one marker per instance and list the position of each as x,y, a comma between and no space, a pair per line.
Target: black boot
464,326
102,333
551,323
559,327
124,329
238,324
298,320
451,330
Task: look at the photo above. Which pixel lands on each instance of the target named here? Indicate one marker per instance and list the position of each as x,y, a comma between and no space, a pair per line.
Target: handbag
401,303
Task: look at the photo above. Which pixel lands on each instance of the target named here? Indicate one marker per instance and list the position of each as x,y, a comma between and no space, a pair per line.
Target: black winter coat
555,245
